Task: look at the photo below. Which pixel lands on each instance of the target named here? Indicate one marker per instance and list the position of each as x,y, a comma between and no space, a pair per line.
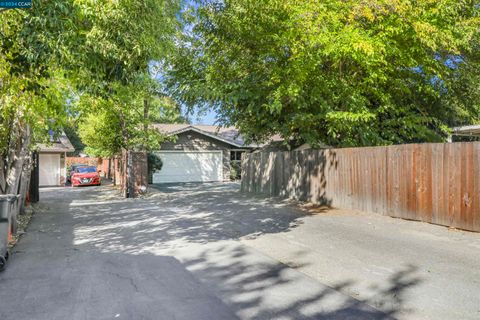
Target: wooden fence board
437,183
476,188
437,174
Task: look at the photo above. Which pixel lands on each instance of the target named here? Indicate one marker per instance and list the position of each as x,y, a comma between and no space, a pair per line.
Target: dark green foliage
342,72
72,134
154,164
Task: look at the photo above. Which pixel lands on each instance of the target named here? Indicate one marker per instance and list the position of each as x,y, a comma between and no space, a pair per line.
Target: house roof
472,130
62,144
229,135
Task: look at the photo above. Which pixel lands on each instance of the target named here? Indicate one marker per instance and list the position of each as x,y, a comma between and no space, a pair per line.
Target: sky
208,117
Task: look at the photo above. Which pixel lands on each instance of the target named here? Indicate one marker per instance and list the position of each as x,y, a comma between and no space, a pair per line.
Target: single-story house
199,153
466,131
51,160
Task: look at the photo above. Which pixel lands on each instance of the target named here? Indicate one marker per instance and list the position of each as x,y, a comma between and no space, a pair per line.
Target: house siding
194,141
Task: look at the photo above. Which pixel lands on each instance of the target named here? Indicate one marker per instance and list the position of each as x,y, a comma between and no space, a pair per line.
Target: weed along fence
436,183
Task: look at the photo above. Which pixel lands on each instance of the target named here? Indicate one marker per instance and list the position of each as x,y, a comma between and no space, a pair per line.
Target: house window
235,164
236,155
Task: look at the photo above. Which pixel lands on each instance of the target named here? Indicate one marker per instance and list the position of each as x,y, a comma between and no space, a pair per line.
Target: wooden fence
83,160
436,183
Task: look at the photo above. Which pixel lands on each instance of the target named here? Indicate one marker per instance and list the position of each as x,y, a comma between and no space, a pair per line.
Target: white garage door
189,166
49,167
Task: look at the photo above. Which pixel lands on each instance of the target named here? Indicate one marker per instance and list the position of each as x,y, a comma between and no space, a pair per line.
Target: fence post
34,187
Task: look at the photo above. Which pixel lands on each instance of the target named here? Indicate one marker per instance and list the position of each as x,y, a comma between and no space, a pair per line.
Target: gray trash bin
5,219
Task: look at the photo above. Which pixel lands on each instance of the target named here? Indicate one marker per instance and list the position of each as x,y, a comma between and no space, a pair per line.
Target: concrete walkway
209,252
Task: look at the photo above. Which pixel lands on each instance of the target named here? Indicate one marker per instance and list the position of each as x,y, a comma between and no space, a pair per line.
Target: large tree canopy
33,86
122,120
343,72
122,41
60,55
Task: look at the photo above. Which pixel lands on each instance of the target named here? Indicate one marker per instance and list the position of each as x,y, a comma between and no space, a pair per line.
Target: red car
85,176
72,168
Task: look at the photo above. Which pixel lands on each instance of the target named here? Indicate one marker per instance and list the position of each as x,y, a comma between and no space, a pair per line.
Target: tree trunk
109,168
115,170
145,114
145,122
3,175
125,163
21,155
33,191
130,177
14,177
24,185
124,173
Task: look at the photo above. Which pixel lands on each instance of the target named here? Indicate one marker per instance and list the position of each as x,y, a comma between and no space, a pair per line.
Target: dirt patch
311,208
23,220
315,209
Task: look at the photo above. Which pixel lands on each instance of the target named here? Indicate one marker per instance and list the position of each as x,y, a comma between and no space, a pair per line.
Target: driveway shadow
180,215
263,289
172,255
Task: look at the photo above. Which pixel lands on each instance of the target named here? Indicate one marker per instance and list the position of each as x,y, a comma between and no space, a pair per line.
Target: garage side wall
193,141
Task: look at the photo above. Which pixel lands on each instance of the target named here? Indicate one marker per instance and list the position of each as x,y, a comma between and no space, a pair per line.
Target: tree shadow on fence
298,175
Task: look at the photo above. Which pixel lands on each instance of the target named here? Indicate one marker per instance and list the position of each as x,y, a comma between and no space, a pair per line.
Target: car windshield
86,169
79,166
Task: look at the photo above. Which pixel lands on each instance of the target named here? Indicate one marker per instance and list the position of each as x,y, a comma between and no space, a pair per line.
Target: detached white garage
49,169
190,166
51,161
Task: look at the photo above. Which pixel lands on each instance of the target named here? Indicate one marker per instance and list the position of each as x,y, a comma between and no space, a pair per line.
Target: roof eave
470,130
205,133
55,150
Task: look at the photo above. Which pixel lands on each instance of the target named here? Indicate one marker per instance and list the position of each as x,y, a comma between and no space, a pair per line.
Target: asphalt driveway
210,252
